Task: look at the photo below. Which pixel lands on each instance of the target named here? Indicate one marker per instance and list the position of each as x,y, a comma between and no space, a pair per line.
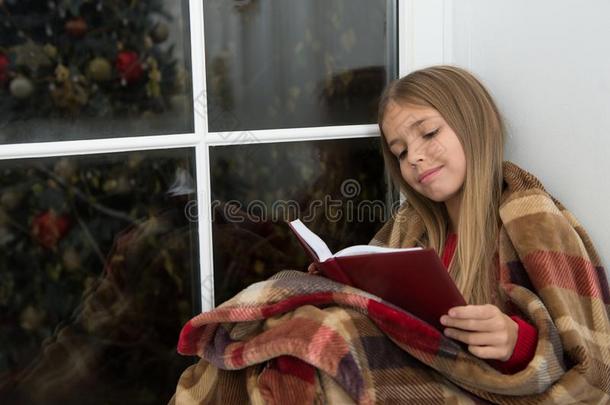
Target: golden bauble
100,70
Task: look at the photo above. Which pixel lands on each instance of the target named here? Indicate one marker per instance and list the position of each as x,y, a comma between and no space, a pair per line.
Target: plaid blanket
297,338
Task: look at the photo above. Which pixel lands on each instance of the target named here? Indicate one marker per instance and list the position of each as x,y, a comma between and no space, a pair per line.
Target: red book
414,279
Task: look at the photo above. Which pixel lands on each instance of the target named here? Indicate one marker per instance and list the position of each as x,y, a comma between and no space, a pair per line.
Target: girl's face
423,143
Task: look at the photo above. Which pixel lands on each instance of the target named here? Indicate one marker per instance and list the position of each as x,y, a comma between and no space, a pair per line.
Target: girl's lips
428,177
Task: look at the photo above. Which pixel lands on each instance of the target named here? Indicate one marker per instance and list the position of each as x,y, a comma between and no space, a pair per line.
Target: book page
362,249
313,240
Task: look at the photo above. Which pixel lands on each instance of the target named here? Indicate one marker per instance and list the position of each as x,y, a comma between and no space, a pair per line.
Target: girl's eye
431,134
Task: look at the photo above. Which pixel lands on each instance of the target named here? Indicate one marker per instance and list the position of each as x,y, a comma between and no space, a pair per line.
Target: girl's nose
416,156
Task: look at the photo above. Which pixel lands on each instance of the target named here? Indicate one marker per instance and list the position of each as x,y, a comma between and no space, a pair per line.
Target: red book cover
413,279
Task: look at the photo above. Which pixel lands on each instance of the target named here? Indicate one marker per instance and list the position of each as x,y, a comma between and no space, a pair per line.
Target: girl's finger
474,311
477,325
476,338
312,269
488,352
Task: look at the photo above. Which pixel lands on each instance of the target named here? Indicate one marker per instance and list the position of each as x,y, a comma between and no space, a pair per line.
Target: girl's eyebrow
421,120
414,124
393,142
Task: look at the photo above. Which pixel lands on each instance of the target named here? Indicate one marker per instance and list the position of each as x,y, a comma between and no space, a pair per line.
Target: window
142,144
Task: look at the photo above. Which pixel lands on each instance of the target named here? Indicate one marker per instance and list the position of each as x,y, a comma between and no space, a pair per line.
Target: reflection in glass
99,273
293,63
93,69
335,187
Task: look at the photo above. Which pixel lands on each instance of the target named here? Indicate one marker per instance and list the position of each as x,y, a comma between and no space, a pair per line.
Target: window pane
335,187
294,63
93,69
99,271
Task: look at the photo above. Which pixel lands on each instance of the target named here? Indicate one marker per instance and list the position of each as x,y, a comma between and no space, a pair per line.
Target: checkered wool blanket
302,339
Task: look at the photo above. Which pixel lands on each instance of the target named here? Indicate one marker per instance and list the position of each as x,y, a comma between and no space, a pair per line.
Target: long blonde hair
470,111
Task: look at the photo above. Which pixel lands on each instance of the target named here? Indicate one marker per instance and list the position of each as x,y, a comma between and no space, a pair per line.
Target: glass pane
294,63
99,271
93,69
335,187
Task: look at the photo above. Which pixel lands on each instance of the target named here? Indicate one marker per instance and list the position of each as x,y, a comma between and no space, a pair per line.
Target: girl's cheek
408,176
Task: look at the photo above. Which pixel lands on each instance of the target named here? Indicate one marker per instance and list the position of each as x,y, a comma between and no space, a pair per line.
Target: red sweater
527,337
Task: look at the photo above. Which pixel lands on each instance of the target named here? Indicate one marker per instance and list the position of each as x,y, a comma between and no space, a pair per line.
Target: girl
443,143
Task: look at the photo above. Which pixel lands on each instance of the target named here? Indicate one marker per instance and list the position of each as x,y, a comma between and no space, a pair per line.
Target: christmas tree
69,59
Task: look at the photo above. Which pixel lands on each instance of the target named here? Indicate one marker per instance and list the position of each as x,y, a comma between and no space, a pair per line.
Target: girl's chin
438,197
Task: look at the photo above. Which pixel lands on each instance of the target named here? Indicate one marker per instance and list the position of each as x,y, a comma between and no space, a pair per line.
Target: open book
411,278
320,249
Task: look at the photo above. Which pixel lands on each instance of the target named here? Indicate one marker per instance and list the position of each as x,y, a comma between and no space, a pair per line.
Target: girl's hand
312,269
488,332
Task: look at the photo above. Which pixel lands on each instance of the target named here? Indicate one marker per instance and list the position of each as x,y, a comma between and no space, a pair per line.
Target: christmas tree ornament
69,94
11,199
31,55
62,73
160,32
31,318
21,87
124,185
76,27
100,69
71,259
148,42
48,228
135,160
65,168
129,67
50,51
109,185
4,65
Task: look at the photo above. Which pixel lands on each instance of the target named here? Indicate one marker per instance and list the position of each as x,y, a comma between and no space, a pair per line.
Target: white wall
547,64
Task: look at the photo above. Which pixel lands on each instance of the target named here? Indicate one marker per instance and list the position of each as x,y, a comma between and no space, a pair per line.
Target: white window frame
424,38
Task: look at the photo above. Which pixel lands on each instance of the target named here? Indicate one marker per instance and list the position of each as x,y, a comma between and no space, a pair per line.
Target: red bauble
77,27
49,228
4,62
129,67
